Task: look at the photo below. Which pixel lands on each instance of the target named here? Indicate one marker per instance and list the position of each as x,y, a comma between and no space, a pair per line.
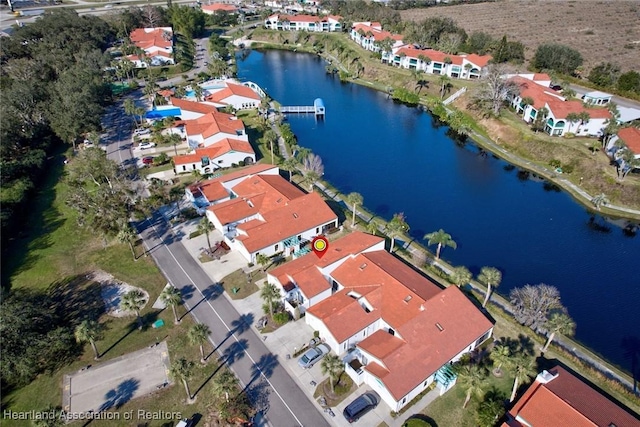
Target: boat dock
317,109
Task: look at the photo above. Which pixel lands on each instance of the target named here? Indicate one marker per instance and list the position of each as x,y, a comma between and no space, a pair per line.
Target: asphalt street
276,395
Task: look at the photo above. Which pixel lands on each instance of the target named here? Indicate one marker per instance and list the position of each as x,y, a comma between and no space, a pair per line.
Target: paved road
245,353
116,138
623,102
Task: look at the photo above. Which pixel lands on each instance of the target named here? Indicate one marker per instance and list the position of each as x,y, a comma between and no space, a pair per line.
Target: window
404,399
392,332
275,248
220,161
184,168
425,383
317,230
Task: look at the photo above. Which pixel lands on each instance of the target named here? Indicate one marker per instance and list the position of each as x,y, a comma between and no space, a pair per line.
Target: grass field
602,31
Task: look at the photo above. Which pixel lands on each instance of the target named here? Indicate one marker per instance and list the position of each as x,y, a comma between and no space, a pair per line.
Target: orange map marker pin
320,244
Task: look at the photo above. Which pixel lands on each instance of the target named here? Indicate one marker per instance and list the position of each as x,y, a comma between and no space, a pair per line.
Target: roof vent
295,215
363,266
279,200
545,377
421,307
407,298
250,203
439,326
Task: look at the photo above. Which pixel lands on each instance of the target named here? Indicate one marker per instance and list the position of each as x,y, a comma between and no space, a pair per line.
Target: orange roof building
631,137
157,44
559,398
304,23
212,9
398,328
433,61
210,128
220,154
559,109
238,96
265,214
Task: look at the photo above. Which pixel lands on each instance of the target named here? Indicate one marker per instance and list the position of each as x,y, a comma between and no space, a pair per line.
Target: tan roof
568,401
298,215
305,271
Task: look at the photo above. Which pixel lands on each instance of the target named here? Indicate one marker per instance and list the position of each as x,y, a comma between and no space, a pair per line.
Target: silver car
311,356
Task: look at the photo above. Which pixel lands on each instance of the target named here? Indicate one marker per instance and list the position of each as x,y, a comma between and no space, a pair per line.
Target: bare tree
532,304
495,89
151,15
313,169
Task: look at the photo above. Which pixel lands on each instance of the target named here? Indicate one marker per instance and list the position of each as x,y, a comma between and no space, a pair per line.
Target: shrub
281,318
567,168
241,163
555,163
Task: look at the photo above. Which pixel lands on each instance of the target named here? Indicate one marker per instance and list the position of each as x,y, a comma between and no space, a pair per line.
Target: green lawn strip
342,390
238,280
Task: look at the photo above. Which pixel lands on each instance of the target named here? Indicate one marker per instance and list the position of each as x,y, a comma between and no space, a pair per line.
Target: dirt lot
599,30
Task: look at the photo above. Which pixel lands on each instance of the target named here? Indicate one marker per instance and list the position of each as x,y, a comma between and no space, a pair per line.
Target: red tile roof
220,6
302,18
561,109
195,107
214,151
438,56
378,34
568,401
479,60
541,77
257,194
146,38
631,137
230,90
166,92
448,323
215,188
541,95
305,271
298,215
214,123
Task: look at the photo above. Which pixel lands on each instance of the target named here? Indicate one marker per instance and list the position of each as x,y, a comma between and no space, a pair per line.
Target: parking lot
117,381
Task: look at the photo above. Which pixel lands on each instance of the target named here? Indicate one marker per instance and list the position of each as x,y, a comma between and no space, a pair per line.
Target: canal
401,160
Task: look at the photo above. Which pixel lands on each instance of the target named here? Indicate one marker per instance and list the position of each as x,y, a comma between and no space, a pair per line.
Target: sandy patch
112,291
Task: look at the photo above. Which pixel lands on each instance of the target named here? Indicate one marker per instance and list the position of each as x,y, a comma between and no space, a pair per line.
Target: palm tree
572,118
127,235
599,200
263,260
522,368
441,238
422,84
198,335
225,383
271,295
445,84
500,355
333,366
396,227
489,276
460,276
354,199
290,165
134,300
183,369
270,136
526,101
90,331
130,109
171,297
373,226
198,92
559,323
584,118
205,226
471,379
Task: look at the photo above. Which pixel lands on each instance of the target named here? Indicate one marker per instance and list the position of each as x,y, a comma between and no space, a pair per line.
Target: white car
141,132
311,356
145,145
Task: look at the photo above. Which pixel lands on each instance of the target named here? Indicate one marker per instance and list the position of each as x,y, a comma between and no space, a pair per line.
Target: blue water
161,113
400,161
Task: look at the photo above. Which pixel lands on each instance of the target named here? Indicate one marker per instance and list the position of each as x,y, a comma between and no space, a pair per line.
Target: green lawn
238,280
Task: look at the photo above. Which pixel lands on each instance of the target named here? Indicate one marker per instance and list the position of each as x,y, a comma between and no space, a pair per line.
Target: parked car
188,422
141,131
148,160
145,145
359,407
313,355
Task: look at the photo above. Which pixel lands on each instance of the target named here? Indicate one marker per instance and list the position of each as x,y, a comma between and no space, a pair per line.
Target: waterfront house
371,36
559,398
433,61
310,23
157,45
630,136
561,113
397,331
218,189
221,154
210,128
266,214
240,97
305,281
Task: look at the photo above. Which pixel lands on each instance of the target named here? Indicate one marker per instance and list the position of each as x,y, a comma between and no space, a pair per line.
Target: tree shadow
212,291
187,291
631,346
523,344
240,325
258,394
117,397
427,420
234,352
77,298
263,367
132,327
206,381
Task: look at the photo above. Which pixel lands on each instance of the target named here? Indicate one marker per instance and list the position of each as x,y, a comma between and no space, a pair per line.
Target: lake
401,160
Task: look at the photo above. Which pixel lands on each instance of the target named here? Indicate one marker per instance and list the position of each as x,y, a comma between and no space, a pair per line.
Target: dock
317,109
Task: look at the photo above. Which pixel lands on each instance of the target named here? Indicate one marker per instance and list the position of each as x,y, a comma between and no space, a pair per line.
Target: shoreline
578,194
